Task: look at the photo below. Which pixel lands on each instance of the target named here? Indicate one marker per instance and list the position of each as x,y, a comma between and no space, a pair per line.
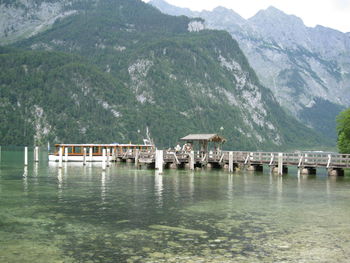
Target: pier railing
299,159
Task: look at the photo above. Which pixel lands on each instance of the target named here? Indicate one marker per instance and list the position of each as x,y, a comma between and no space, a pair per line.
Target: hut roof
204,137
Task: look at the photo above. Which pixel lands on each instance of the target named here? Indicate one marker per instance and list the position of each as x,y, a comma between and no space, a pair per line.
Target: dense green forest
50,96
343,128
117,67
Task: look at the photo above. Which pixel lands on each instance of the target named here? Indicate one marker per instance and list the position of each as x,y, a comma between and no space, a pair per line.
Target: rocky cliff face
306,68
23,18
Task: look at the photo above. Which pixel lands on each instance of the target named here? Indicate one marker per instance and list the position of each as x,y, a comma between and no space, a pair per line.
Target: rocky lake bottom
81,214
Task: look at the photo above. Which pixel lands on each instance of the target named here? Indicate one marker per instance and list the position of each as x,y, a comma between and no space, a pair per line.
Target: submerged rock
178,229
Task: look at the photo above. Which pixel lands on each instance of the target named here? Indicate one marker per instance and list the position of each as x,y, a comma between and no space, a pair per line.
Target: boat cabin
93,152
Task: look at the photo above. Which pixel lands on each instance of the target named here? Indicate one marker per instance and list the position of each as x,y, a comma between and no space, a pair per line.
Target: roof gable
211,137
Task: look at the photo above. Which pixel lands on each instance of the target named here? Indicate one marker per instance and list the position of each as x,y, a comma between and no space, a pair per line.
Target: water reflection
328,187
158,188
279,186
59,183
25,180
34,178
35,169
176,181
191,185
103,187
230,187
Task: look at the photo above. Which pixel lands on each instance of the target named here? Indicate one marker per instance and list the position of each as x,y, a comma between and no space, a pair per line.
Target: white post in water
230,162
90,154
36,154
60,157
103,159
192,160
113,154
108,156
159,160
26,156
84,156
156,160
66,154
280,163
137,151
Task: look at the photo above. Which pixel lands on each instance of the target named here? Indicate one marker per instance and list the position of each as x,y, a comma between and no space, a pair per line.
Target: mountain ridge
180,78
302,66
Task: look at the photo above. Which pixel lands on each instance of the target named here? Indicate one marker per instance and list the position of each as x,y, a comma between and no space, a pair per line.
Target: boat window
95,149
77,149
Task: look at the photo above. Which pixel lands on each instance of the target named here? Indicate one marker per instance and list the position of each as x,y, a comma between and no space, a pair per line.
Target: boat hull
77,158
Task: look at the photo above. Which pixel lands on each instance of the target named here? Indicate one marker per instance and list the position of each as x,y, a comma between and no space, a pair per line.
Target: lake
81,214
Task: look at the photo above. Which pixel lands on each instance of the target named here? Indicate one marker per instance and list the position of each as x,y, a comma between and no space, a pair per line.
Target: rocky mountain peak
166,8
227,14
277,25
306,68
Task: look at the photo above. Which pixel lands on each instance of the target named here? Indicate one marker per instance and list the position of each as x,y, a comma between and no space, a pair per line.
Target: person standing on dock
177,148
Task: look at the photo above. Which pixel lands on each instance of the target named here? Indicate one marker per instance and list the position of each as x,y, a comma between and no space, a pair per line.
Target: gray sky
330,13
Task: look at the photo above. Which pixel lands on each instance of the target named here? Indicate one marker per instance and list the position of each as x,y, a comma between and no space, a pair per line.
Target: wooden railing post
280,163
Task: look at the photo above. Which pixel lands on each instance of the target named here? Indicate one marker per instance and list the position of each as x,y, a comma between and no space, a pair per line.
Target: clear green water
79,214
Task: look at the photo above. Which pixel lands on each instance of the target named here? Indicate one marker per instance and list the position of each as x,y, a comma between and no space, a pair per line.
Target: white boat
94,152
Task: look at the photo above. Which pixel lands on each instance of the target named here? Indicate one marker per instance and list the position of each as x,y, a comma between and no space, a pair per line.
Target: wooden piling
60,157
308,170
84,156
103,159
335,172
36,154
26,156
280,163
137,152
108,156
191,161
113,155
159,160
230,162
66,154
90,154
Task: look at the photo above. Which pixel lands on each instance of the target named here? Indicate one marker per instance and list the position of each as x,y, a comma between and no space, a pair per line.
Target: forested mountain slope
174,78
49,96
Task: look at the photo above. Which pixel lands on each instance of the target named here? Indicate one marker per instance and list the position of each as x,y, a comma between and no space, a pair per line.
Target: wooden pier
253,161
306,162
196,153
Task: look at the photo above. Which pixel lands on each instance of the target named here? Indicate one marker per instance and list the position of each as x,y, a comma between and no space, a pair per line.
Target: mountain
51,96
140,68
305,68
169,9
21,19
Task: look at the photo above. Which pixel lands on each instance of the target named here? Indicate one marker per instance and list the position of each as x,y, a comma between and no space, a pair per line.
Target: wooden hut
204,141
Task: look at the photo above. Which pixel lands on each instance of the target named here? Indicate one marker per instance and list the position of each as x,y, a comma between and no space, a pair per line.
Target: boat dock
232,161
201,151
